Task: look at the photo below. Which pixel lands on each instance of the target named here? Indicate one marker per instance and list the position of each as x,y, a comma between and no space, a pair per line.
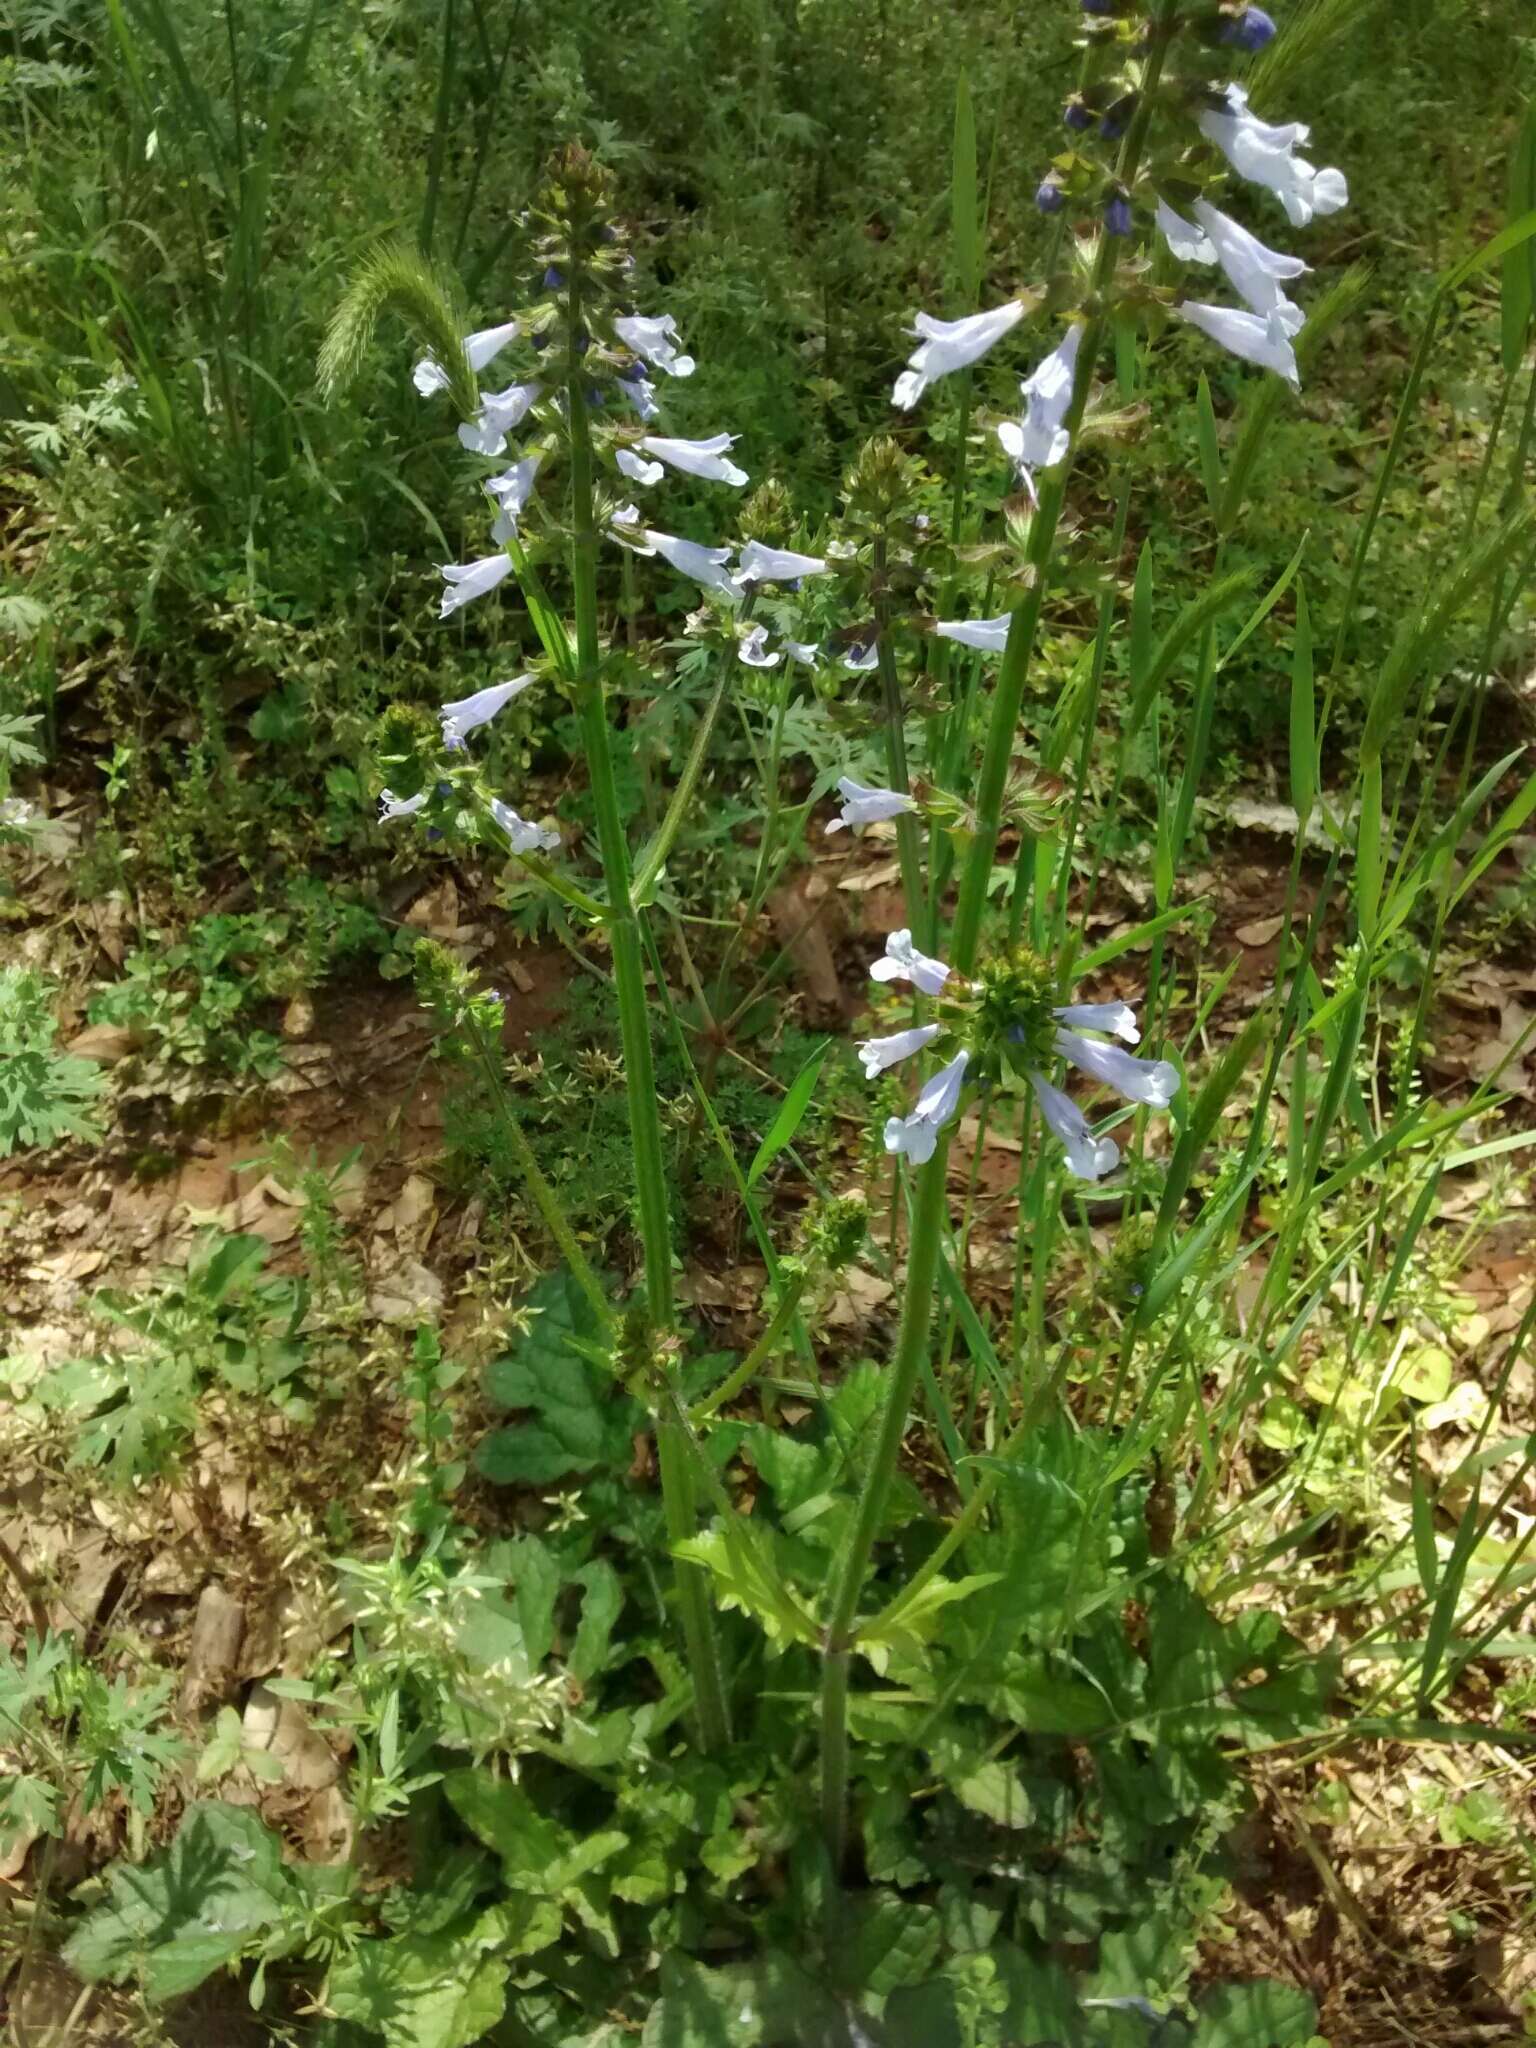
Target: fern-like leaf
396,279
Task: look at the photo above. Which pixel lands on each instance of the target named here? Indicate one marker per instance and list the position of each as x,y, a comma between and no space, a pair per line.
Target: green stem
635,1031
911,1352
743,1375
913,888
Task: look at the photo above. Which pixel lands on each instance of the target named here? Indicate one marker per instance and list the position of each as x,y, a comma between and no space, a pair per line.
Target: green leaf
965,218
212,1896
742,2005
578,1418
890,1943
503,1817
791,1110
601,1602
1261,2015
445,1989
996,1792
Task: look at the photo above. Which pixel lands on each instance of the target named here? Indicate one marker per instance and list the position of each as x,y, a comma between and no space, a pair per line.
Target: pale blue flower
1266,342
752,648
914,1137
525,837
1090,1158
707,458
1039,439
480,348
902,961
949,345
989,635
637,469
468,580
760,564
1265,155
392,806
467,713
879,1053
864,806
1152,1082
657,341
500,412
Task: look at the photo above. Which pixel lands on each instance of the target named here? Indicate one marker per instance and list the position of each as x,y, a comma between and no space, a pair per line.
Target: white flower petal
1266,342
1266,155
990,635
468,580
902,961
863,806
917,1134
1090,1158
776,565
698,458
1183,237
466,713
656,341
637,468
1039,440
879,1053
949,345
1117,1018
752,648
392,806
525,837
1153,1082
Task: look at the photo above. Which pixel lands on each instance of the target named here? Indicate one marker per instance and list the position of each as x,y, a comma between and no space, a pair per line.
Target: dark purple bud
1077,116
433,833
446,788
543,338
1117,215
1099,6
1049,196
1252,29
607,234
791,583
581,340
553,279
632,372
494,995
1016,1034
595,397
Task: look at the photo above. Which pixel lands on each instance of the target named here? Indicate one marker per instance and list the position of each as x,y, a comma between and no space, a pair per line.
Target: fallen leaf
1260,932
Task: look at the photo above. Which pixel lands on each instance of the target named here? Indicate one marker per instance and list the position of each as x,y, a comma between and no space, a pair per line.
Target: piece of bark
213,1655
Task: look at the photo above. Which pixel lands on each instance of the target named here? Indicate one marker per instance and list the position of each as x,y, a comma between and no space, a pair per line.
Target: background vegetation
213,587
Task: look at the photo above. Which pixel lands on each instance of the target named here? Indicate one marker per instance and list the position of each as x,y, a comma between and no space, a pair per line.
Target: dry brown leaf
1260,932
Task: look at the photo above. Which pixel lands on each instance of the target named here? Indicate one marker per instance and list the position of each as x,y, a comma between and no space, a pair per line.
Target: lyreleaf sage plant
1154,125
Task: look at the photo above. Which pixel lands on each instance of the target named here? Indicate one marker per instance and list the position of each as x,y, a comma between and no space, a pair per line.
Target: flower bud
1250,31
553,279
1117,215
1077,115
1118,118
1049,197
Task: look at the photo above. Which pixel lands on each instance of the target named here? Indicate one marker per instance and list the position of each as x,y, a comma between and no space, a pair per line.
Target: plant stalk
639,1068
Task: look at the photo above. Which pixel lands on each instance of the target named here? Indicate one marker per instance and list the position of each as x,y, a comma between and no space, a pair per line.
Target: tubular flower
803,650
946,345
637,469
1090,1158
1186,241
915,1136
707,459
1153,1082
525,838
879,1053
392,806
1266,342
1039,440
776,565
989,635
462,716
480,348
1255,272
863,806
1119,1019
901,961
511,490
1252,30
1266,155
500,411
862,657
752,648
657,341
468,580
688,557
